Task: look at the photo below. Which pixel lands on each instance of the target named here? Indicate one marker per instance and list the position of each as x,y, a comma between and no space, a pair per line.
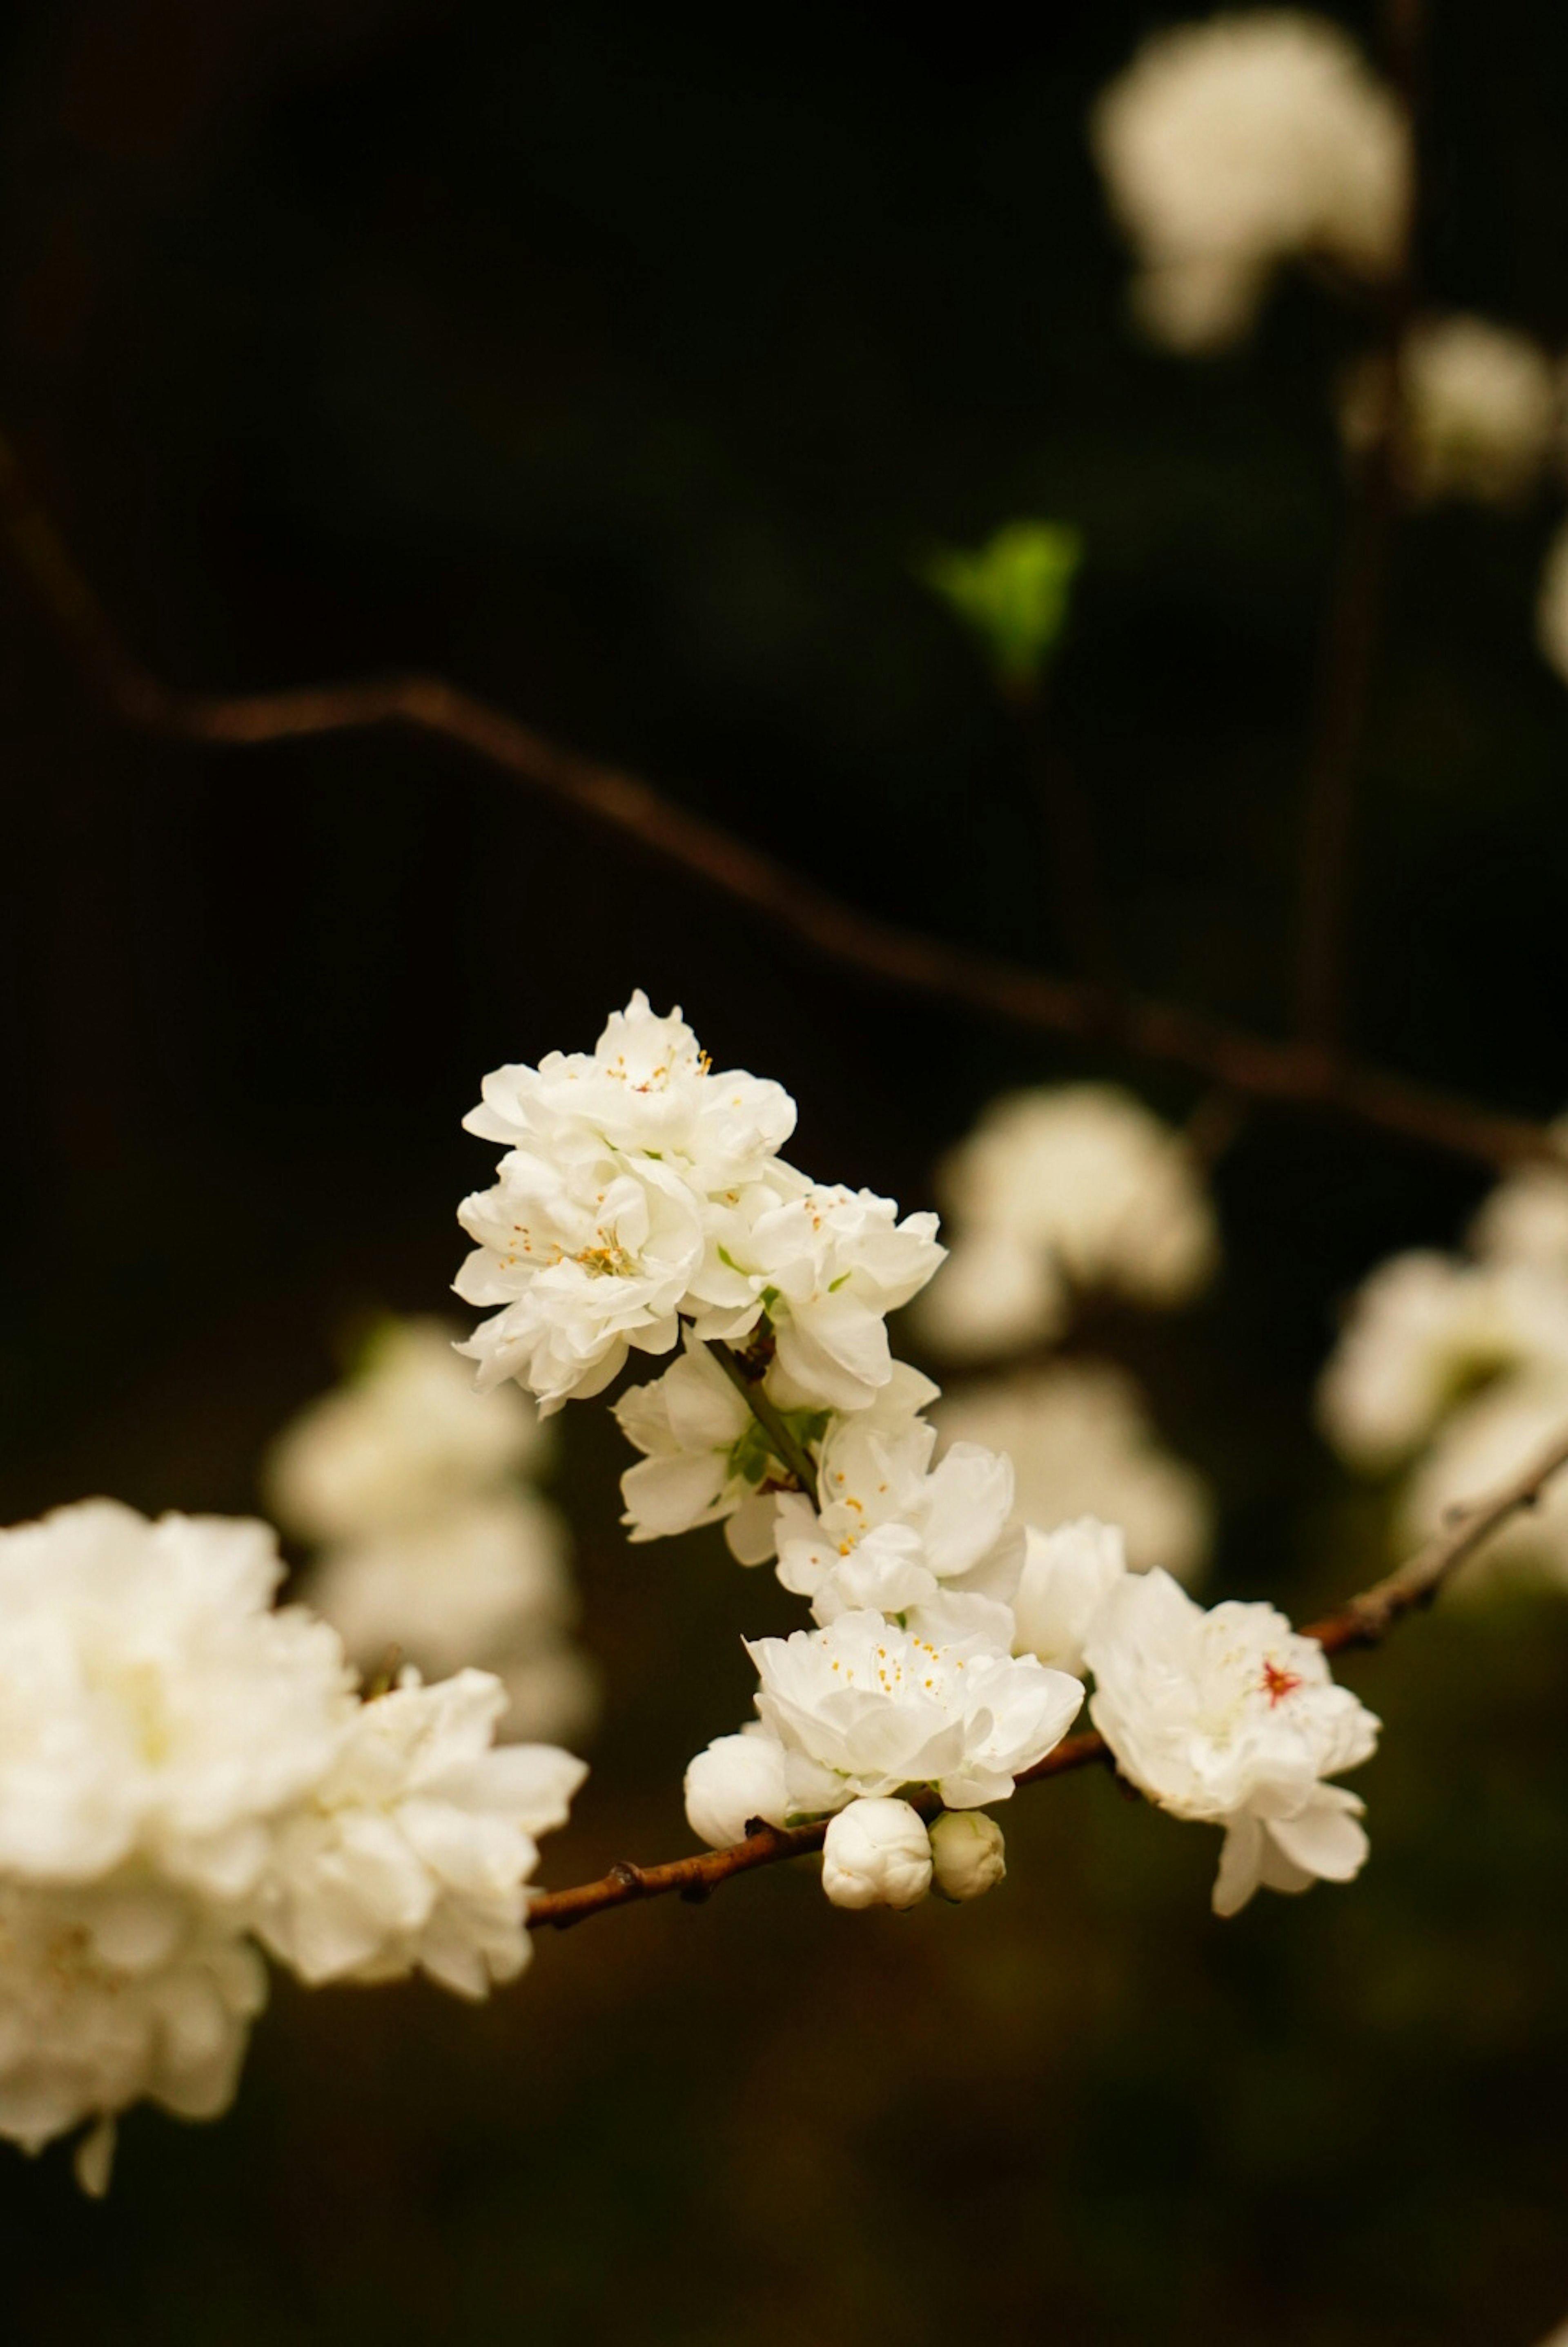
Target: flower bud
877,1854
967,1854
738,1777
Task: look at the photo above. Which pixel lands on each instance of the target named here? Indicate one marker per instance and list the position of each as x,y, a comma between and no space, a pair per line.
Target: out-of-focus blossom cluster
1481,407
187,1776
1453,1368
950,1637
1059,1195
1231,146
431,1542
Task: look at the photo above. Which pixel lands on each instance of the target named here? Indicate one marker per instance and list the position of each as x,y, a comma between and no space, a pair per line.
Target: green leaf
1013,593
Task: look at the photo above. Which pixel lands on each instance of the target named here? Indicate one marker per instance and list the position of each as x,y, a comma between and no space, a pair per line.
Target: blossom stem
787,1448
1288,1074
1363,1621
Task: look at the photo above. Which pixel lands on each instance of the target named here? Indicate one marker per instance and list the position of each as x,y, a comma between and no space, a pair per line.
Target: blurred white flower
416,1848
1056,1189
434,1552
997,1294
863,1707
1231,1719
1229,146
1082,1444
737,1778
113,1992
487,1582
1552,604
969,1856
826,1265
403,1436
1067,1575
1525,1218
1481,407
153,1705
1424,1330
877,1854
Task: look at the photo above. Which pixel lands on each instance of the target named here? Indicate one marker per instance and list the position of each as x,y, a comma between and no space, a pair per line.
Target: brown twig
1364,1621
1368,1618
1357,611
1287,1075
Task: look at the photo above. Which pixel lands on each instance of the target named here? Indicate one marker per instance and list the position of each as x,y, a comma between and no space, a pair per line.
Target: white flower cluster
1482,409
949,1639
430,1543
187,1776
1456,1368
1231,146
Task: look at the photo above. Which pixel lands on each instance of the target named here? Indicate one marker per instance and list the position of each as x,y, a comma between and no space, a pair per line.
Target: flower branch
1287,1075
1363,1621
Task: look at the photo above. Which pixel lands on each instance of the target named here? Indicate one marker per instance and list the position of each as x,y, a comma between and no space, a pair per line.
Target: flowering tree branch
1292,1074
1363,1621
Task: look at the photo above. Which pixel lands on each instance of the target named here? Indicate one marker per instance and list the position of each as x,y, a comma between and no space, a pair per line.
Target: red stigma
1276,1684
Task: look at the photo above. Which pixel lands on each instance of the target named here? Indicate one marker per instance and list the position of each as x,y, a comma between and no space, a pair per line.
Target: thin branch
1357,612
1364,1621
1367,1619
789,1452
1287,1075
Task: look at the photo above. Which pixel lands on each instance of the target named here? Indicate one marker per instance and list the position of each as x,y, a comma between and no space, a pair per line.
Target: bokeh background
625,363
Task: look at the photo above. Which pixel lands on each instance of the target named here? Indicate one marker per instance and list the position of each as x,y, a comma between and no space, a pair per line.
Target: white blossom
877,1854
113,1992
1061,1189
1480,409
1424,1330
1230,1718
406,1435
152,1704
737,1778
937,1546
824,1266
416,1848
1067,1575
1231,145
585,1257
969,1856
705,1458
647,1092
863,1707
1082,1444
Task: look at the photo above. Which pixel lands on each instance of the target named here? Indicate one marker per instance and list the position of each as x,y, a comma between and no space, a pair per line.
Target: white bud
738,1777
968,1854
877,1854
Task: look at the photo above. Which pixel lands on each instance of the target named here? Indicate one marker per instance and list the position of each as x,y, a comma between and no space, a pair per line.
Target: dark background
624,363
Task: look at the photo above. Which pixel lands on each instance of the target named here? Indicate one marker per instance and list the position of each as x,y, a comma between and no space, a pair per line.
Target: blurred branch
1357,612
1364,1621
1298,1076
